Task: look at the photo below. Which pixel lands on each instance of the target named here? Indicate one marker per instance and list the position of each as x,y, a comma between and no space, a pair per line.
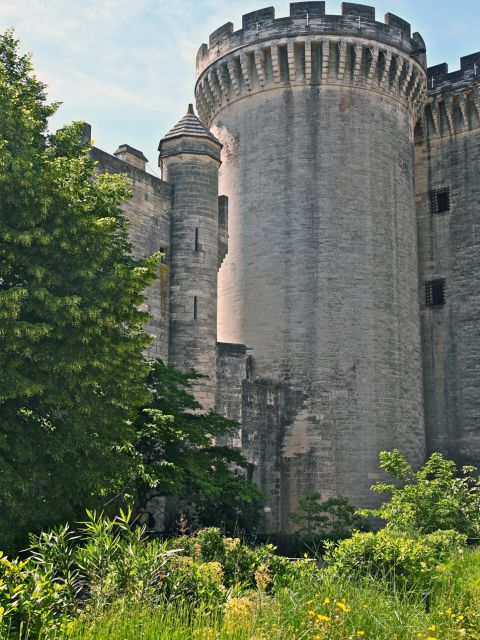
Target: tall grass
314,608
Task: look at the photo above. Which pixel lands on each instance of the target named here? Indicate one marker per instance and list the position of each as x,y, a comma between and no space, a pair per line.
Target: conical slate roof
189,125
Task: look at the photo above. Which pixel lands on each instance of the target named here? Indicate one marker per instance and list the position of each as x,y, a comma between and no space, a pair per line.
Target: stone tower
448,199
190,159
316,115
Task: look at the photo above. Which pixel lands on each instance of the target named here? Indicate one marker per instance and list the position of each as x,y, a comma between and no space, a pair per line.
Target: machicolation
311,47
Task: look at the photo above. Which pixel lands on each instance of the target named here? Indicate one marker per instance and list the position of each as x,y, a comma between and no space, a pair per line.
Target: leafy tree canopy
71,334
437,497
180,457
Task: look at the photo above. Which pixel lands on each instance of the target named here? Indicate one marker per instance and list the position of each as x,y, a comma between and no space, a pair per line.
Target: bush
242,566
107,559
198,583
334,517
29,599
438,496
404,562
111,560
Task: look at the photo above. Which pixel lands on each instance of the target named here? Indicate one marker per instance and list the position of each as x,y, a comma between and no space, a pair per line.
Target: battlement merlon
309,18
441,80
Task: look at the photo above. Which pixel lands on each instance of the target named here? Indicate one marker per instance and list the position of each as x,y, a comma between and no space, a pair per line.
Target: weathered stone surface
232,370
190,160
448,156
148,211
321,275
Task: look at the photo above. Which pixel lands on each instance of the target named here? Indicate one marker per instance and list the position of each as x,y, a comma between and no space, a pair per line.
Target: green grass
347,610
314,608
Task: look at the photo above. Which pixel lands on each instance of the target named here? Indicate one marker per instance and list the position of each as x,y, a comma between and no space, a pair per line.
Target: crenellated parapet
453,104
311,48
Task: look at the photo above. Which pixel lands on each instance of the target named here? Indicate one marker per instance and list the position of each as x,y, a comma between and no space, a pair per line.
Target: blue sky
128,66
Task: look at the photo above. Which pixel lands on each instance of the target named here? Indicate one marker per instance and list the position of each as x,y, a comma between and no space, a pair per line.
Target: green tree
437,497
335,516
71,335
180,457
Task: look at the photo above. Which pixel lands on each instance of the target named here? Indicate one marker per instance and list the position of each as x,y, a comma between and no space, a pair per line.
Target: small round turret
189,159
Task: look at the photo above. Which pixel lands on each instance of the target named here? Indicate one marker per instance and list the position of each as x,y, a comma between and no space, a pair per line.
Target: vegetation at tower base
71,334
335,516
179,457
436,497
429,516
107,579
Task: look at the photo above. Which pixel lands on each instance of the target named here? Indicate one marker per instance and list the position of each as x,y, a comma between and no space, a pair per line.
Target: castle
321,228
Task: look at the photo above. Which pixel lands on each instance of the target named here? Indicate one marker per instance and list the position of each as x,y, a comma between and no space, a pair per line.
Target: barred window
435,293
195,308
440,200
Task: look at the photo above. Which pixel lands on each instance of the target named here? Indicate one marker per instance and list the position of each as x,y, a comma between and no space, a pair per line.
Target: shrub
335,516
29,600
105,560
195,582
242,566
405,562
438,496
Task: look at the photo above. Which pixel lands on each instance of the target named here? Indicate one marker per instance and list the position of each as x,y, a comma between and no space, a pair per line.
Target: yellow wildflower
327,600
207,633
432,628
239,615
460,617
343,607
360,633
262,577
323,618
310,602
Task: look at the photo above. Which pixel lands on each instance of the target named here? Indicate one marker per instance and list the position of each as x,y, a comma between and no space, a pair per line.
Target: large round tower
316,115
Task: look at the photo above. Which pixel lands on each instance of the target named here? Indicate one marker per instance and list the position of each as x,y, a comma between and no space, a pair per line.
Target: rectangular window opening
195,308
435,293
197,246
440,200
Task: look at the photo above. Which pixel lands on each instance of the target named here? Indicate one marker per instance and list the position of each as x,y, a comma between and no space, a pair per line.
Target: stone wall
148,211
448,159
231,372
